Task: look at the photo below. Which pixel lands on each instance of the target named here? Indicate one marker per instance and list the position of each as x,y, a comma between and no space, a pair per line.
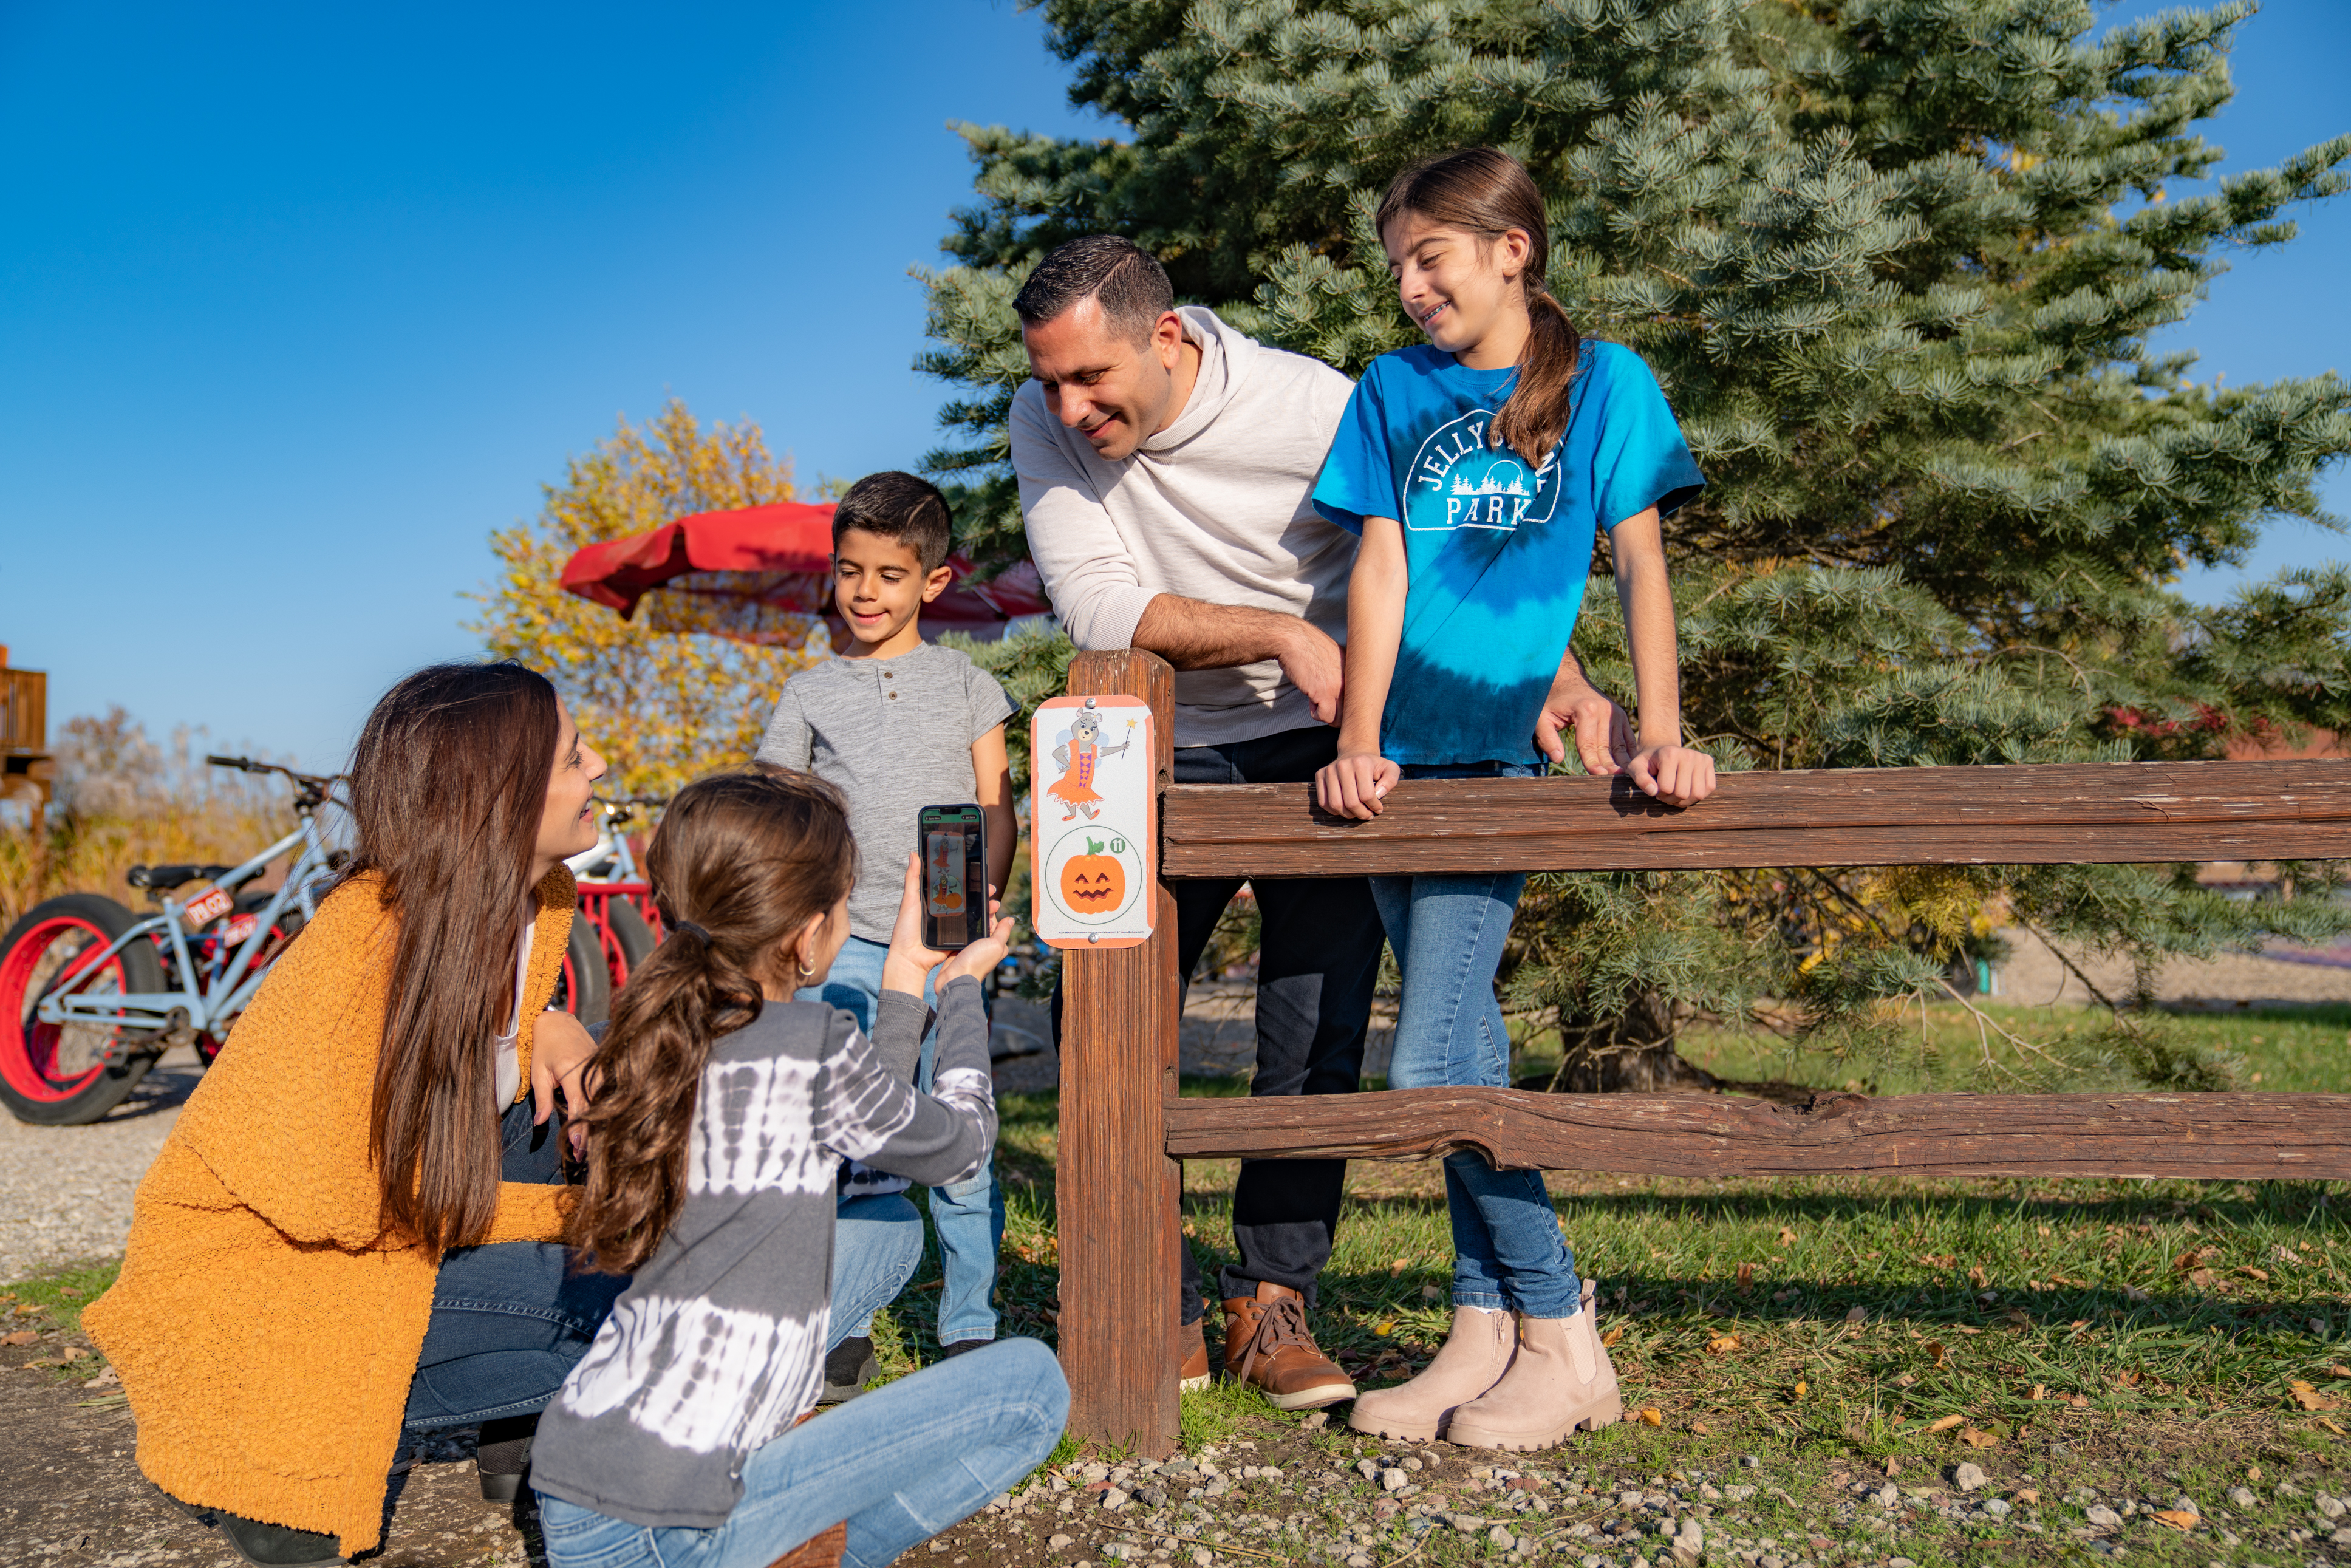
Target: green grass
57,1298
2010,1047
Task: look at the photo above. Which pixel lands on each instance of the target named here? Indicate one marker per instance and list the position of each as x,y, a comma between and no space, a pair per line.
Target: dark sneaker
1268,1346
849,1367
963,1347
501,1456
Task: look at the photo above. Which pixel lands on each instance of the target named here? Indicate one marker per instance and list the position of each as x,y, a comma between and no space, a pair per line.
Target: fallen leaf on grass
2330,1425
2338,1370
1650,1416
2079,1401
1945,1423
22,1336
2309,1398
1722,1344
1746,1278
1801,1389
2178,1518
1701,1428
1976,1437
1613,1335
1787,1237
1384,1327
1857,1315
1978,1277
2260,1274
1936,1353
2040,1391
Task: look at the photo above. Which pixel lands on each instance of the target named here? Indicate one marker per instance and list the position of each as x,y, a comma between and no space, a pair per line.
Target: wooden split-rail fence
1124,1129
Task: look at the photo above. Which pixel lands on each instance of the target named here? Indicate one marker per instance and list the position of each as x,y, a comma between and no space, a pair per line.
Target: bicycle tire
67,1076
584,987
632,936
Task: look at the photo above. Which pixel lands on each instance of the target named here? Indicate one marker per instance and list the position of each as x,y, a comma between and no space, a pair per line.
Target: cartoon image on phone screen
955,875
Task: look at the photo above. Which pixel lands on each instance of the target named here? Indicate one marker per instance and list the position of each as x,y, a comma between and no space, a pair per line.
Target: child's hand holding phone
908,961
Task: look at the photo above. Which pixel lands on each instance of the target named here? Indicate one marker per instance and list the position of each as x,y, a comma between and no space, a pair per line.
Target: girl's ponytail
739,864
1489,193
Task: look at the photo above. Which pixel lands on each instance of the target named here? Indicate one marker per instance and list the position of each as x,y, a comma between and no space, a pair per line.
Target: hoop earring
806,973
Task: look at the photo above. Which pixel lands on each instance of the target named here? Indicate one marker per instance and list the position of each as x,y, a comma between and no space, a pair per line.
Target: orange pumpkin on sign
1092,881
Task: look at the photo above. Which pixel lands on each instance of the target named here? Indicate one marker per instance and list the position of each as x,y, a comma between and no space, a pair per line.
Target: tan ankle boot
1561,1379
1475,1356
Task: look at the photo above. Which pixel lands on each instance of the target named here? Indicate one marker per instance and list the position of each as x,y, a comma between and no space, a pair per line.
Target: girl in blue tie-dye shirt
1475,469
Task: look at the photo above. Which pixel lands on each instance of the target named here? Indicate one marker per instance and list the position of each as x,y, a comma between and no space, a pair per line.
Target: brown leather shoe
1191,1356
820,1551
1267,1344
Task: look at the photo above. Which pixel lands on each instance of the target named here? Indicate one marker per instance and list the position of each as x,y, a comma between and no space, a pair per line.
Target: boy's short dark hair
1127,279
899,506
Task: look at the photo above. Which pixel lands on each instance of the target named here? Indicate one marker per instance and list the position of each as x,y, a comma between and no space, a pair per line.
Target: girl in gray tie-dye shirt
721,1110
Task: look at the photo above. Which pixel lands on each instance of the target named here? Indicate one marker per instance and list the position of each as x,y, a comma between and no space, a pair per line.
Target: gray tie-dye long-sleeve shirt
717,1345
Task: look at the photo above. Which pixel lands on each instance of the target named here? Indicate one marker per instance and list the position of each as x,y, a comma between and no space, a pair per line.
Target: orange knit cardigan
264,1330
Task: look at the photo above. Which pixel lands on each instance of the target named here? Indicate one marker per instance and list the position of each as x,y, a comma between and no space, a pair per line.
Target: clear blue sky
297,304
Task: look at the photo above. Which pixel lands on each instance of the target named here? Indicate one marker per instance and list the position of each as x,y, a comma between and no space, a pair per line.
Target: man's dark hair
899,506
1131,284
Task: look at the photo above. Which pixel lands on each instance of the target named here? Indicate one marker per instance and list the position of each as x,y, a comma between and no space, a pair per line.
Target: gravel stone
2332,1506
1393,1481
1969,1476
65,1191
2242,1497
1115,1500
2098,1513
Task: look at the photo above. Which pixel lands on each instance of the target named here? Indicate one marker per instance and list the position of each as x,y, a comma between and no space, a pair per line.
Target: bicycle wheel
55,1075
584,989
632,936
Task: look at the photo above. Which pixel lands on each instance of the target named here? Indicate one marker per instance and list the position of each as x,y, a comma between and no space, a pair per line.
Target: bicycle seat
164,878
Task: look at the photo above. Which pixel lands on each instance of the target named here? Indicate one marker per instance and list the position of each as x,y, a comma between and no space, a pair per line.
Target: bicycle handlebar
312,782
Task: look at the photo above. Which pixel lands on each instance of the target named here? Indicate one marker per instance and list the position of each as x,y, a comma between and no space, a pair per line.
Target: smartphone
954,839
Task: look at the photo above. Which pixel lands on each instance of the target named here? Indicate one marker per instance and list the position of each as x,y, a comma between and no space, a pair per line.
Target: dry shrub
124,801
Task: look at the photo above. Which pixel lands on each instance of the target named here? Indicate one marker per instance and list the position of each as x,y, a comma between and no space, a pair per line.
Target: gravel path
65,1191
1325,1497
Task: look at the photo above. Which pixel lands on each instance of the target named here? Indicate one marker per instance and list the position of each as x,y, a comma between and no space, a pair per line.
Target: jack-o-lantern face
1092,881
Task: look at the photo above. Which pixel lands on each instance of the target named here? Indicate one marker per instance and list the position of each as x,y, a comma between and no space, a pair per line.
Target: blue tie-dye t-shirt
1498,556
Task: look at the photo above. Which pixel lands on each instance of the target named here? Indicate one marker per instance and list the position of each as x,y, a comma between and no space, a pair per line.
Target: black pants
1317,962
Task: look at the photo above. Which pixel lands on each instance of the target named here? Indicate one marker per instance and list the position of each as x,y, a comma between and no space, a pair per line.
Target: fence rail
1125,1128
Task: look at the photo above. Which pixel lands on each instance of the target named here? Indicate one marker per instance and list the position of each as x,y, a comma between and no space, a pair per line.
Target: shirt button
894,696
889,675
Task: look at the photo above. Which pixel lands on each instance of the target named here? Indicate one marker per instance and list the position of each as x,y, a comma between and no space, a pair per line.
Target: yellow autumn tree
662,707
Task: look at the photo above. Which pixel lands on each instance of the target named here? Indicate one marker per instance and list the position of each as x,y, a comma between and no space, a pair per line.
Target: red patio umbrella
757,573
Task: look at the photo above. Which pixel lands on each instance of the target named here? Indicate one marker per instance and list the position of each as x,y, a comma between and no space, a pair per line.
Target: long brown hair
740,863
1489,193
448,784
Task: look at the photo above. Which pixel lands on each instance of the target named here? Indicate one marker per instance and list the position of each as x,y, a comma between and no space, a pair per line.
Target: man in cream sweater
1164,463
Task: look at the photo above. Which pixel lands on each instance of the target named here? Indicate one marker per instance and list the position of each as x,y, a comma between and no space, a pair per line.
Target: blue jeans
509,1320
968,1215
1447,934
900,1465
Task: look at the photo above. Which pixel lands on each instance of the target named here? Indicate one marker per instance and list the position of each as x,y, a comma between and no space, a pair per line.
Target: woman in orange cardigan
350,1228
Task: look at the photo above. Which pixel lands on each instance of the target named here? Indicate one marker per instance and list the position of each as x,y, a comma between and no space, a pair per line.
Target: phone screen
955,875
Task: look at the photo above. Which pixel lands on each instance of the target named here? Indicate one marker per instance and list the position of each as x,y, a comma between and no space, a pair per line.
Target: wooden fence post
1117,1191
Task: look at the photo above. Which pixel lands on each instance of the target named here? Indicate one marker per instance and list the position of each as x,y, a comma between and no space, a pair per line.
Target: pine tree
1896,264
